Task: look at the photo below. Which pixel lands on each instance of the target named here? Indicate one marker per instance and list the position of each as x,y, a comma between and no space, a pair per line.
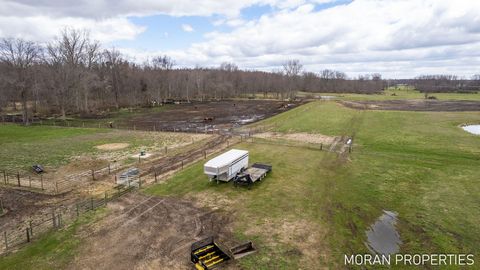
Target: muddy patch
415,105
382,237
298,137
112,146
144,232
209,116
473,129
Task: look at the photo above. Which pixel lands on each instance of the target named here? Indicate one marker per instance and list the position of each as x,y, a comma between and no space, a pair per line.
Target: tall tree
21,55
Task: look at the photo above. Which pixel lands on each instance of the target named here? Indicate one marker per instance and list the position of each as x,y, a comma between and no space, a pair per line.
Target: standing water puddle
474,129
382,237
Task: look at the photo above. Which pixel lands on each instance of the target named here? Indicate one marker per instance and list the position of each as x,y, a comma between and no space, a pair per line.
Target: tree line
73,74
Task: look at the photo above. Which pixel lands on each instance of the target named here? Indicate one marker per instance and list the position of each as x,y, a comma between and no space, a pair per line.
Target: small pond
474,129
382,237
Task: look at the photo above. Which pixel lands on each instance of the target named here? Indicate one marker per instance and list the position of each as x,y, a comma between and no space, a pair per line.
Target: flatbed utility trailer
254,173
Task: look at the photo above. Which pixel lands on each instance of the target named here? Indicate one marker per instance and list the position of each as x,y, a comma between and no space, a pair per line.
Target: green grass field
420,165
21,147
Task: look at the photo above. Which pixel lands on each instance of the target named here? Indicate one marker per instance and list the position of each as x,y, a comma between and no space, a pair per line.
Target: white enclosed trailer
227,165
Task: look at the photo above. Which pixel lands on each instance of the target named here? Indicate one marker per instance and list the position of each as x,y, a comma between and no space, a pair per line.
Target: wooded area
75,75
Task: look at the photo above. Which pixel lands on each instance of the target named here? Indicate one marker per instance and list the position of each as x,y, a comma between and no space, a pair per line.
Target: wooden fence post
115,178
182,164
53,219
41,181
29,181
91,202
155,176
5,176
59,219
109,170
56,187
321,146
6,240
93,175
18,179
28,234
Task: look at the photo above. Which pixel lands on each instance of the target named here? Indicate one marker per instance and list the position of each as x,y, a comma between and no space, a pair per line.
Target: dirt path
415,105
143,232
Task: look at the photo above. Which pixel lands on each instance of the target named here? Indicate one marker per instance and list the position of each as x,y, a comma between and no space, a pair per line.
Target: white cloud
396,38
42,28
187,28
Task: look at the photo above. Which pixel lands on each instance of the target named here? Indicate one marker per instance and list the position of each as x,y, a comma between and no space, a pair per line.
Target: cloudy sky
398,38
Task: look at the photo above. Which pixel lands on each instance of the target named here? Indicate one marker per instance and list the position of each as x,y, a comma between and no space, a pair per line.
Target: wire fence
27,231
52,185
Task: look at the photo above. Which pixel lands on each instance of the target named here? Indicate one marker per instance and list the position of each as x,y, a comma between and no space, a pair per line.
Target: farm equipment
207,254
252,174
38,168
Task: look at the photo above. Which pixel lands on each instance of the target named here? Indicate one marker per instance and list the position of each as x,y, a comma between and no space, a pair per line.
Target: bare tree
20,55
292,69
67,58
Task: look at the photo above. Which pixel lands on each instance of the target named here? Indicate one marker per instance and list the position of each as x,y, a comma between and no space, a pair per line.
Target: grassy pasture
21,147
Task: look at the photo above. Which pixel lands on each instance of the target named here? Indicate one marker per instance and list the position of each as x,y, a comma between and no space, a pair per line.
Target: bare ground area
23,203
210,116
143,232
415,105
112,146
299,137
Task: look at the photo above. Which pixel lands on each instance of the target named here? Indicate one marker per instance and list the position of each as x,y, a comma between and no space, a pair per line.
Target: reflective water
382,237
474,129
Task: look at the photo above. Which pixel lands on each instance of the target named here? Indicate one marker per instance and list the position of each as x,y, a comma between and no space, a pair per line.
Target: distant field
393,94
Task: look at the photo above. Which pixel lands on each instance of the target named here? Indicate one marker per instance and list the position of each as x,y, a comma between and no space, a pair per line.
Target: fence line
51,185
59,217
